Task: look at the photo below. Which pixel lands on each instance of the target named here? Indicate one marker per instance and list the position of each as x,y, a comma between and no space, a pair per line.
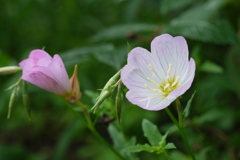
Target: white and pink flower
50,74
156,79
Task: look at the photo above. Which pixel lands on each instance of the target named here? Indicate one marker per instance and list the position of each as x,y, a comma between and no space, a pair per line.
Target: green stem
86,114
179,109
94,131
181,130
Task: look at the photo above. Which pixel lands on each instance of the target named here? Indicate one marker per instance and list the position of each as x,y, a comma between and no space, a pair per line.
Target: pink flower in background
50,74
156,79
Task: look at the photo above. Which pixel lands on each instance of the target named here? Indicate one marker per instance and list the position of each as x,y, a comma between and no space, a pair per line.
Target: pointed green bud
107,90
118,102
109,86
13,96
11,102
9,70
129,47
25,99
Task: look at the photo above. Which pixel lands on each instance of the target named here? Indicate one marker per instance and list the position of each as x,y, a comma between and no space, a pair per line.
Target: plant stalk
91,127
182,132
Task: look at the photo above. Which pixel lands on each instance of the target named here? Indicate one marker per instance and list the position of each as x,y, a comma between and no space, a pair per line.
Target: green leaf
211,67
163,140
219,33
120,142
129,47
139,148
186,110
114,57
80,54
120,31
116,136
167,6
202,11
151,132
202,154
170,146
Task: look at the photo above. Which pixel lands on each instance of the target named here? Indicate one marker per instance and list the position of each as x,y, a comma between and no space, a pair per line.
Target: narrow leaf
163,140
119,31
151,132
170,146
139,148
116,136
186,110
129,47
211,67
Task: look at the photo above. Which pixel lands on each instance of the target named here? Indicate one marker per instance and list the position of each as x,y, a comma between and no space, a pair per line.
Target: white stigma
153,82
154,90
151,70
168,71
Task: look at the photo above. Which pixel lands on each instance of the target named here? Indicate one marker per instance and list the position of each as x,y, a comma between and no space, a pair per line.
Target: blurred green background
94,34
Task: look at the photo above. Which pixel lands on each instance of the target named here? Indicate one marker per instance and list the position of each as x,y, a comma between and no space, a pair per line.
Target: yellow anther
176,81
166,86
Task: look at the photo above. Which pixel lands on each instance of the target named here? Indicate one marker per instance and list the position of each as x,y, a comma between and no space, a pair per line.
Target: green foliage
120,142
157,141
211,67
186,110
151,132
167,6
197,23
119,31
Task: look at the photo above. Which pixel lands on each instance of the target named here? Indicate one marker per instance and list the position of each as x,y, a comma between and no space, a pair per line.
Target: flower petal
186,83
43,81
59,71
27,65
38,53
171,50
150,102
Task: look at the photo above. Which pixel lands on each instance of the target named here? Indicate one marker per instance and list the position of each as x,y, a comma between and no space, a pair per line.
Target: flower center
166,86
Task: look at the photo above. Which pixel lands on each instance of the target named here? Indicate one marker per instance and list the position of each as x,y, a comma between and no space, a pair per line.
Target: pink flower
156,79
50,74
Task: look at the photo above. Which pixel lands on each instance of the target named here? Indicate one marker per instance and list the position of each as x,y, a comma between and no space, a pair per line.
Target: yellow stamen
176,81
166,86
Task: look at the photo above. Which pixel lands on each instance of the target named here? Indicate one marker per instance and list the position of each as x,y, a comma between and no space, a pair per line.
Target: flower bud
75,93
9,70
107,90
11,102
118,102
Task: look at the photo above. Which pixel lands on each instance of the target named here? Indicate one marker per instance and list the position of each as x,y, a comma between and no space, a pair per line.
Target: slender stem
76,114
86,114
94,131
181,130
179,109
